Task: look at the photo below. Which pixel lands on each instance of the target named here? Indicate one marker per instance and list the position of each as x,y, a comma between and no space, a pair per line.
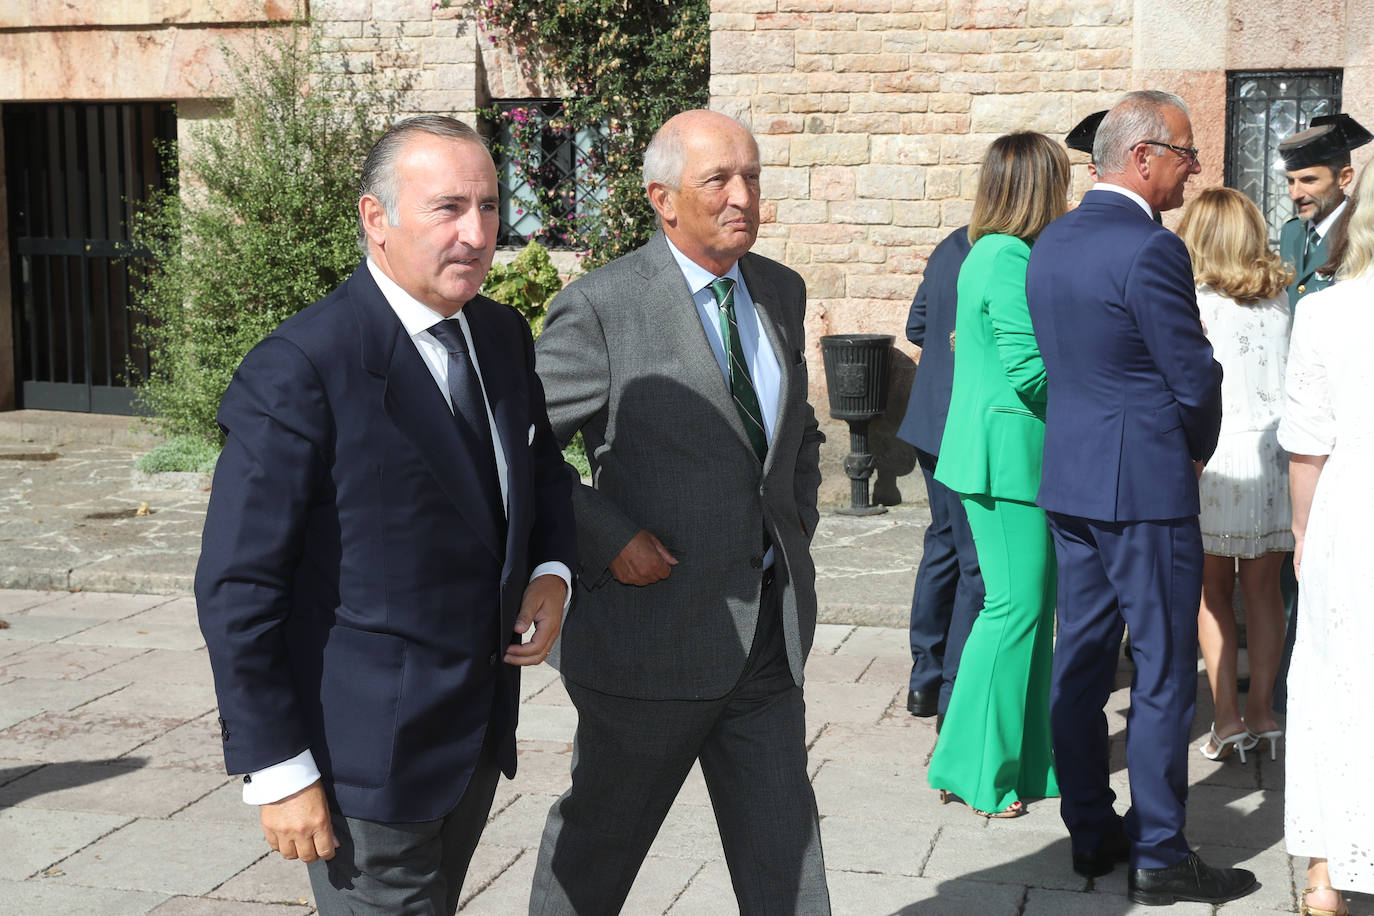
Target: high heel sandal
1306,909
1241,741
1015,809
1272,737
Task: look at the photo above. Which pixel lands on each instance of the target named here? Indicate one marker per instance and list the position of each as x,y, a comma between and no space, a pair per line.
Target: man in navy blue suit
390,521
948,593
1134,411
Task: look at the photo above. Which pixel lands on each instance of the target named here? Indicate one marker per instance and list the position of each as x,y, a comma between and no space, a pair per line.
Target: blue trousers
1146,575
948,592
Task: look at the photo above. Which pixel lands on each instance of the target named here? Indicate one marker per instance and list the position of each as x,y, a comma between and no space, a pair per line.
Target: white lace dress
1244,488
1329,410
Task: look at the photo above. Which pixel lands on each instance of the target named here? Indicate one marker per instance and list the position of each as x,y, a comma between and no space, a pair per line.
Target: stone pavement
113,797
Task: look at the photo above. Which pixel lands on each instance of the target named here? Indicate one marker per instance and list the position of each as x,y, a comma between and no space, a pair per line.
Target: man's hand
541,608
1198,466
643,561
298,826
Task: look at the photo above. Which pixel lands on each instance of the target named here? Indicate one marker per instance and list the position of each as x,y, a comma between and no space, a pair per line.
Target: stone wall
872,116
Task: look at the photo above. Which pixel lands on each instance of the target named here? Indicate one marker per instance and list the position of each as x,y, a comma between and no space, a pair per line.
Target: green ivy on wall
629,65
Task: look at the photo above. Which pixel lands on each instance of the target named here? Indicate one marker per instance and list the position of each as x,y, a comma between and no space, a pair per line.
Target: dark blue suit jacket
932,319
355,597
1134,392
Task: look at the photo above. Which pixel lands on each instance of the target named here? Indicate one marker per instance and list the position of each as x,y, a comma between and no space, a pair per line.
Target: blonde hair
1359,235
1023,186
1229,245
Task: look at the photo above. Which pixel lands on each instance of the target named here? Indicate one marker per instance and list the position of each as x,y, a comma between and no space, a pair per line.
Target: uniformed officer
1317,161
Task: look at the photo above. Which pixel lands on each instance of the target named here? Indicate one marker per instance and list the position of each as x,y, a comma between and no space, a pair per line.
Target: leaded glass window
1263,108
549,172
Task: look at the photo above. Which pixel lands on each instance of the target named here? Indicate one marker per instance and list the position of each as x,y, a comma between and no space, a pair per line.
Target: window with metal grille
549,171
1263,108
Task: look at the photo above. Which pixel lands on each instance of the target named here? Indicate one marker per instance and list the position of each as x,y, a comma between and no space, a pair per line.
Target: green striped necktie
741,385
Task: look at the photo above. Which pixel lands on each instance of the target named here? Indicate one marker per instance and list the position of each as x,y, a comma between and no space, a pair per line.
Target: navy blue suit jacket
932,319
1134,392
354,596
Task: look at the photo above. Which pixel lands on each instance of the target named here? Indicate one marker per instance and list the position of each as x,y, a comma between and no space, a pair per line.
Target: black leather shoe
1191,879
922,703
1097,862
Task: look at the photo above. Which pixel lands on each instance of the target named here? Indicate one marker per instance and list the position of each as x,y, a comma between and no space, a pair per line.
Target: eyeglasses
1187,152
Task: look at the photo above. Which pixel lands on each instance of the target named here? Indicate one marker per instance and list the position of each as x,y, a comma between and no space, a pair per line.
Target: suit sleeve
1163,299
574,363
553,537
916,317
277,425
1011,325
807,481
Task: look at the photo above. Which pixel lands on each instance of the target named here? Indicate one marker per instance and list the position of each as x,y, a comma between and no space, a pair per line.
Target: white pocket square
531,442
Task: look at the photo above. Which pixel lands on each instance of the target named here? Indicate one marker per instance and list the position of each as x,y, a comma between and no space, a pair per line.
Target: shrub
261,222
181,453
528,283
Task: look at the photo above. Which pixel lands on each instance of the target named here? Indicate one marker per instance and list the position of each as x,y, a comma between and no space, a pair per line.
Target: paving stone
141,635
10,647
223,805
877,641
904,742
64,661
876,790
33,839
890,847
48,693
114,788
708,893
519,824
828,638
661,881
1042,902
553,692
854,894
489,862
81,735
174,857
195,745
1249,818
834,669
45,629
200,906
95,605
535,679
19,599
849,703
271,879
40,897
164,666
889,671
181,702
1013,851
547,723
14,715
11,769
689,832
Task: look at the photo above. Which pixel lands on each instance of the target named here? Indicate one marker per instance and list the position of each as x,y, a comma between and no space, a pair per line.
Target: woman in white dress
1245,511
1328,429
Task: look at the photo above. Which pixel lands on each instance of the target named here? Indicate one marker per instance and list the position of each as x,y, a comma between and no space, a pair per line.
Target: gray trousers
406,869
630,758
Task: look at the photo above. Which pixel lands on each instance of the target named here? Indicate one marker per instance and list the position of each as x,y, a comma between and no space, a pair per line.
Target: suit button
494,660
1302,288
756,562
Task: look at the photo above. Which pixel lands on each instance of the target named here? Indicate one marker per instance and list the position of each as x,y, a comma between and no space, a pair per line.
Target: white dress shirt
290,776
1125,192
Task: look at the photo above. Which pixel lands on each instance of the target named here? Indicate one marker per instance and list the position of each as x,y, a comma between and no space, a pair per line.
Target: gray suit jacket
624,358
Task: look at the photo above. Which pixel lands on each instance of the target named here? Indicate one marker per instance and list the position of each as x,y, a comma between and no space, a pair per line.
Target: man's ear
1345,176
374,219
1140,158
661,199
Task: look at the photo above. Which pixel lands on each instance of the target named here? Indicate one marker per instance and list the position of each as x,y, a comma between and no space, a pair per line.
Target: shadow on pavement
19,784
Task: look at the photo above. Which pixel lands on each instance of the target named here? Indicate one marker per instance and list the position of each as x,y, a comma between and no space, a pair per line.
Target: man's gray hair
665,157
1136,117
379,169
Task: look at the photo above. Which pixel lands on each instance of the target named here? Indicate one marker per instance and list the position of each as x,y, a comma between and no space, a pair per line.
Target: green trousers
994,748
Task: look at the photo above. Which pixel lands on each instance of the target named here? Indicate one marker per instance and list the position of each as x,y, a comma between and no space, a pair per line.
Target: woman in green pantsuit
994,748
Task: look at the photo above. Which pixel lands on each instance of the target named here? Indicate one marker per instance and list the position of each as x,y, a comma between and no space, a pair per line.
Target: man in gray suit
682,364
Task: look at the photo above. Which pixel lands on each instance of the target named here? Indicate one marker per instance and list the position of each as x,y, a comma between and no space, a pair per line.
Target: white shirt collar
415,316
1325,225
698,277
1118,189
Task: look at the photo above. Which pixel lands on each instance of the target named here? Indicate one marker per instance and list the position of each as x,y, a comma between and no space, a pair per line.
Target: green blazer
1305,280
995,434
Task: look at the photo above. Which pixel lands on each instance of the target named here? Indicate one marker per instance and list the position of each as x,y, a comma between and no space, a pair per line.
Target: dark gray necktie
470,413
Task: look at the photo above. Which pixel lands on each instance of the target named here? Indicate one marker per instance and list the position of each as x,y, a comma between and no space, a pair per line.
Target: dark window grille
549,172
75,172
1263,108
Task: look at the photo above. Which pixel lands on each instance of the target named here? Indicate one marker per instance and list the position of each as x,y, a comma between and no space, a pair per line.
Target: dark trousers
1148,576
407,869
1288,583
630,758
949,590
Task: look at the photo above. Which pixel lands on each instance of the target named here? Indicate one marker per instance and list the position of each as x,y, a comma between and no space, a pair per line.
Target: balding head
666,152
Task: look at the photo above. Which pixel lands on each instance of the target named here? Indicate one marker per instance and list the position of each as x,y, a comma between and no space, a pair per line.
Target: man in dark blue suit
1134,411
949,587
390,519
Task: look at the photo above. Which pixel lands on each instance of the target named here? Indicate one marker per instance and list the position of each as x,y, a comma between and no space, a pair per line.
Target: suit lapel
413,402
769,308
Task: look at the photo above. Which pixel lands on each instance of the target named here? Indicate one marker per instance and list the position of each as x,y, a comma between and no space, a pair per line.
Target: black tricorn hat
1085,132
1329,137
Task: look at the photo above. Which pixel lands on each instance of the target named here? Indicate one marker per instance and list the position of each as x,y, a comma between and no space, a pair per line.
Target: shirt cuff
276,782
561,570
